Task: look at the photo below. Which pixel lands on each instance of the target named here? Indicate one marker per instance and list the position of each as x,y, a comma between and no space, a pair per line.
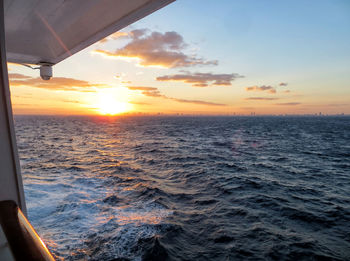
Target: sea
188,188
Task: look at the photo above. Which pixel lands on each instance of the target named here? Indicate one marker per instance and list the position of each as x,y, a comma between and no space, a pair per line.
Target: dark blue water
188,188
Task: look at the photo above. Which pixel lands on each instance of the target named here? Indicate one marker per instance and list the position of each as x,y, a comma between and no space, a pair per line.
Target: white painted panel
52,30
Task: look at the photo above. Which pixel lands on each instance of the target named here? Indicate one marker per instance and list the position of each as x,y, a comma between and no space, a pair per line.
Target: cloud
198,102
268,88
114,36
139,103
288,103
118,35
202,79
155,93
156,49
71,101
22,104
286,91
283,84
141,88
56,83
18,76
137,33
338,104
261,98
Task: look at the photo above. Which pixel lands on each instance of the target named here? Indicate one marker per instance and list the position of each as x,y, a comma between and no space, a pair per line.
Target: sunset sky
205,57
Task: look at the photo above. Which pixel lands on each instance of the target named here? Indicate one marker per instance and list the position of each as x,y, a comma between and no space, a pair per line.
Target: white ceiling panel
48,31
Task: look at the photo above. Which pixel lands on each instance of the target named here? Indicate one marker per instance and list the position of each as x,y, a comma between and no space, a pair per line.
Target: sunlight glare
109,105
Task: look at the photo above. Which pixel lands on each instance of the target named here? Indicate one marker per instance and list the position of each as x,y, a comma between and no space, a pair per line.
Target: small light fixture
46,72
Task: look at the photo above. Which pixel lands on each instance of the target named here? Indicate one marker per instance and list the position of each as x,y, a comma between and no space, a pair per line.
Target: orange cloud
198,102
114,36
18,76
268,88
288,103
156,49
261,98
202,79
56,83
138,88
154,92
139,103
72,101
338,104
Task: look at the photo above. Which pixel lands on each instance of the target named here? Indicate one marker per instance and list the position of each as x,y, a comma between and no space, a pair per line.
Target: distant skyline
201,57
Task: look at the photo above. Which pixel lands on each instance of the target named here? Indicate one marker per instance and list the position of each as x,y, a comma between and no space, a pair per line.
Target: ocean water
188,188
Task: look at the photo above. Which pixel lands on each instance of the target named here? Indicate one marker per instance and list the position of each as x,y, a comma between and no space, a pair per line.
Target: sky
205,57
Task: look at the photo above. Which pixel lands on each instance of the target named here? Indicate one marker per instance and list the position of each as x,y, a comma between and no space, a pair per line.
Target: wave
187,188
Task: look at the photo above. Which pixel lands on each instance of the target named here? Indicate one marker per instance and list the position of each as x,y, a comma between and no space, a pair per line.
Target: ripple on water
188,188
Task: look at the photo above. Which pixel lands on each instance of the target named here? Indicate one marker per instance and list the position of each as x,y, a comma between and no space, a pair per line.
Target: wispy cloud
72,101
288,103
114,36
283,84
18,76
202,79
139,103
262,98
156,49
197,102
338,104
141,88
155,93
267,88
56,83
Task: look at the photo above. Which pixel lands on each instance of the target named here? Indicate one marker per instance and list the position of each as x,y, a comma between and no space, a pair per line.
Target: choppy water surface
188,188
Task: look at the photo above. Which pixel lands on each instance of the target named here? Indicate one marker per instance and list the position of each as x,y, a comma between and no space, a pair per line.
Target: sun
108,105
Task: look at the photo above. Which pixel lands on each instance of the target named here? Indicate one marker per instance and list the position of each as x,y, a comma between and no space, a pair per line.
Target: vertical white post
11,187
